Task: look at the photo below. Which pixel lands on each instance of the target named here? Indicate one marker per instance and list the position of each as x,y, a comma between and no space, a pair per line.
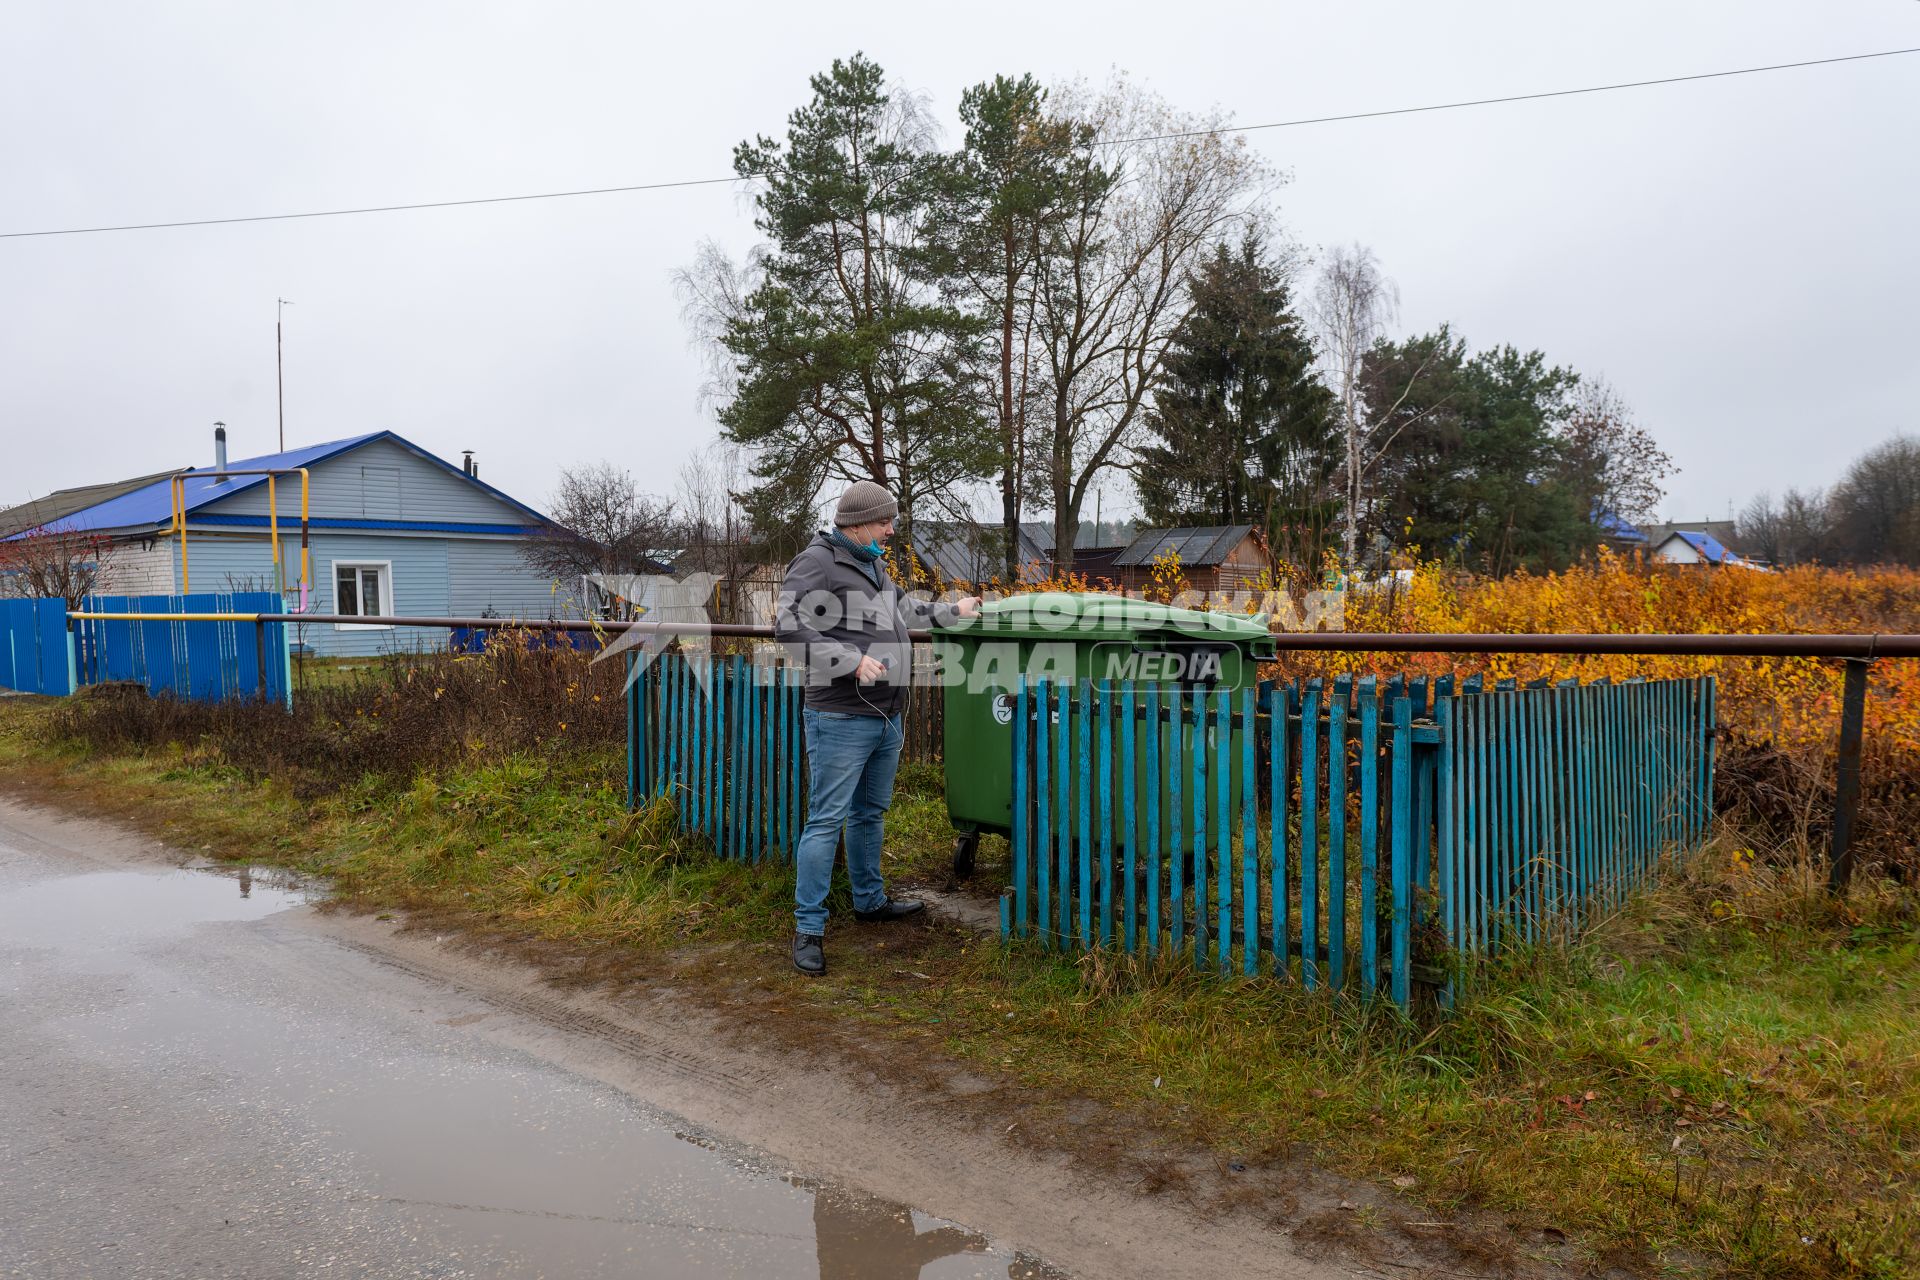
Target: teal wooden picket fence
1367,835
723,738
202,660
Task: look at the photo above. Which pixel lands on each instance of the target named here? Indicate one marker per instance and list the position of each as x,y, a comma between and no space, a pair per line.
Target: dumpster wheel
965,846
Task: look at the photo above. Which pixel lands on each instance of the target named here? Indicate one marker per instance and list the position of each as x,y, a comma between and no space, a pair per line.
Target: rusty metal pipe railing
1864,646
1858,652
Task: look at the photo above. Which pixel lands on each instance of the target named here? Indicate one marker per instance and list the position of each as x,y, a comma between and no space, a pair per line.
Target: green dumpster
1062,636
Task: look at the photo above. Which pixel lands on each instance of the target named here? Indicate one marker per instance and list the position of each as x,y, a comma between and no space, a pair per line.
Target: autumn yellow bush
1779,717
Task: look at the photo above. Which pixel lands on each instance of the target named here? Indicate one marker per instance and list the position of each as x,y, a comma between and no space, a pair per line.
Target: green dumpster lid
1068,615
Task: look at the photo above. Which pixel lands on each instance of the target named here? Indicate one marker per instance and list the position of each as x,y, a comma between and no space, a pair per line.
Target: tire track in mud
555,1012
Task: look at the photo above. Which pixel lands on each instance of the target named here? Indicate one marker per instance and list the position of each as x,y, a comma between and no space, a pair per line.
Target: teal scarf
868,556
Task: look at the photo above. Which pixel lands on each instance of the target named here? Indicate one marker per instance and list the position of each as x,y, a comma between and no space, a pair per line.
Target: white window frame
386,579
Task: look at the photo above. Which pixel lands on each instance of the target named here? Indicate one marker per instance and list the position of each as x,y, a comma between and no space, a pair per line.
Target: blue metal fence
36,655
204,660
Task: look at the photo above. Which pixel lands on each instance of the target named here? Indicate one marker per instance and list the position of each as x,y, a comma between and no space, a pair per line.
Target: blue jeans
852,760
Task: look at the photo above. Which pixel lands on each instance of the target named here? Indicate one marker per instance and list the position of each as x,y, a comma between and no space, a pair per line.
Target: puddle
562,1177
300,1055
114,908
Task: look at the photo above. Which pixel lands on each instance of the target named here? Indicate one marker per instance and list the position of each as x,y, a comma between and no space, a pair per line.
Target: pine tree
1000,197
843,360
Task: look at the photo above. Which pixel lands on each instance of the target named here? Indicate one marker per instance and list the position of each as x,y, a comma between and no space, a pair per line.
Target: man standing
846,619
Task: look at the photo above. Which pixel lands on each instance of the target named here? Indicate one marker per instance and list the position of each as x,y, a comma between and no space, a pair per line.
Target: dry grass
385,721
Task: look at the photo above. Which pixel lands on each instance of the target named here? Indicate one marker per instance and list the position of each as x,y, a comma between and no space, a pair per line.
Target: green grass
1725,1077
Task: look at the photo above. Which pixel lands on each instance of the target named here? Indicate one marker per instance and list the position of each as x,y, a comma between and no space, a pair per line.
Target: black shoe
808,955
891,909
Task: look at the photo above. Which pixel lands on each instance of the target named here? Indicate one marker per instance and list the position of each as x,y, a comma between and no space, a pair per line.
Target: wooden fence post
1402,851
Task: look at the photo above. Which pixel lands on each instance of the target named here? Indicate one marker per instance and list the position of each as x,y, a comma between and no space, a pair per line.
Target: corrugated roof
1615,527
152,504
1197,547
1707,545
1039,532
52,510
969,552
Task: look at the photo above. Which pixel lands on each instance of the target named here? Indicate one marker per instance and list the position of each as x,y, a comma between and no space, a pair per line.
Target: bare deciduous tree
1795,530
55,563
716,535
1151,192
1614,463
1353,306
602,522
1876,506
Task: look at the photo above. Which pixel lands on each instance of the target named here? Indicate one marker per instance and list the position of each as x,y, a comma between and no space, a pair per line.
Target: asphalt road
198,1079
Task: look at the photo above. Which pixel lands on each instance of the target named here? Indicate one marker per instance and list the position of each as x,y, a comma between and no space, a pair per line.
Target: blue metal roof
1614,527
153,505
1708,546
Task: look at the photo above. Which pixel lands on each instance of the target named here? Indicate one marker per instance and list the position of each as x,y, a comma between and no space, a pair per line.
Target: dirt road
202,1075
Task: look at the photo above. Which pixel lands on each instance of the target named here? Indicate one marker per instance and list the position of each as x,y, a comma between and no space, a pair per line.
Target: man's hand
869,670
969,607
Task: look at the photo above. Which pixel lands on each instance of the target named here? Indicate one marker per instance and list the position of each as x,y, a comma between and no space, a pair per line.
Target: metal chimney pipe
219,446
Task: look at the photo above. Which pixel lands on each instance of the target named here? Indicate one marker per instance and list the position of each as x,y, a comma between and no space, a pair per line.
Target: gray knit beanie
863,502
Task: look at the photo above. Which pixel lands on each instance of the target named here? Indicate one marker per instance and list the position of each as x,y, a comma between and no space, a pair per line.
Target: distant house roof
52,510
151,504
1707,547
1196,547
1721,531
1617,528
968,551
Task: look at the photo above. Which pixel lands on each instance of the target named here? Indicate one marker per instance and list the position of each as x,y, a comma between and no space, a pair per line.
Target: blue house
394,530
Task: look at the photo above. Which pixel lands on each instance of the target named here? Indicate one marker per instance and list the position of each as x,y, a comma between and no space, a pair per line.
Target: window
362,589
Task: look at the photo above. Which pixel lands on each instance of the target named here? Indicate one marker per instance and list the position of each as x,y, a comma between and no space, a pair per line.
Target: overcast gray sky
1737,256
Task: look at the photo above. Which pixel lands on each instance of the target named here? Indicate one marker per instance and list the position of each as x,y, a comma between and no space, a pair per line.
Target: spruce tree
1242,432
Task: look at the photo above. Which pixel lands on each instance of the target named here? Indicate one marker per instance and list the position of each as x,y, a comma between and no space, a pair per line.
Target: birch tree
1353,306
1149,192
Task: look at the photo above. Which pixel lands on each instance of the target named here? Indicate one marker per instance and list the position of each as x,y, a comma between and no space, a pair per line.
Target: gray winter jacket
833,608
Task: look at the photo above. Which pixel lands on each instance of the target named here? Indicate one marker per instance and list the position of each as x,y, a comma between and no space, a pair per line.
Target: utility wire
1523,97
1157,137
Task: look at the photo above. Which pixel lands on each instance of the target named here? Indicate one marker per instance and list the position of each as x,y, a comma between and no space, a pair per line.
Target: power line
1158,137
1525,97
380,208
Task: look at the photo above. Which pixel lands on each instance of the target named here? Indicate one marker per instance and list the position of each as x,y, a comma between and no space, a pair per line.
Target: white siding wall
133,570
379,481
1676,550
